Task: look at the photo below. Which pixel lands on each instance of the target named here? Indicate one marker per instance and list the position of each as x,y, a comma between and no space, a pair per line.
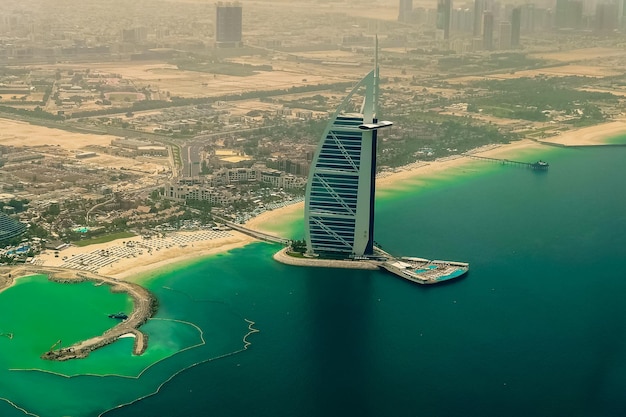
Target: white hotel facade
339,203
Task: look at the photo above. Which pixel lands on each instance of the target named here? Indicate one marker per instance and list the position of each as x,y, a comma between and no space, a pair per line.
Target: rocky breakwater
145,305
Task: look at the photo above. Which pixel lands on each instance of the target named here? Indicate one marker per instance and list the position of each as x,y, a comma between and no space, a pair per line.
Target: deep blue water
537,328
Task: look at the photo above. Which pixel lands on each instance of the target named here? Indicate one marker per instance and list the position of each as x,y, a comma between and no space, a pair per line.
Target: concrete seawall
282,257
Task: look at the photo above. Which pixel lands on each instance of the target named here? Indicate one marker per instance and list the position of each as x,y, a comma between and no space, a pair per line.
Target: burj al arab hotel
339,203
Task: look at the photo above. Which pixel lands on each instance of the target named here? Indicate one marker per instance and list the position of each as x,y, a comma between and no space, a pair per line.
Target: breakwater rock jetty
145,305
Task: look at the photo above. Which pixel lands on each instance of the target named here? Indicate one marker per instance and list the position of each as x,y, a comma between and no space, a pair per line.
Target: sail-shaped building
340,193
339,203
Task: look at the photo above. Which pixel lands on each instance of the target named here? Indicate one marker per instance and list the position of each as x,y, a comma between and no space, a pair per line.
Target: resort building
182,192
339,204
10,228
218,187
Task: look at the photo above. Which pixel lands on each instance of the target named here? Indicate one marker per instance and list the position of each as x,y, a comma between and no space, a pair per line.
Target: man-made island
418,270
145,305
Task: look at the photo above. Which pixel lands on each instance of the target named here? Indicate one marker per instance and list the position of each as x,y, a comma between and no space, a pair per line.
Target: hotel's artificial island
340,194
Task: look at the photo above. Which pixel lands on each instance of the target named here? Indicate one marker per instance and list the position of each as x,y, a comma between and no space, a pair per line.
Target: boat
119,316
425,271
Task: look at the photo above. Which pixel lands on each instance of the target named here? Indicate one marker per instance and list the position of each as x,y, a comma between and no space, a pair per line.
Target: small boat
119,316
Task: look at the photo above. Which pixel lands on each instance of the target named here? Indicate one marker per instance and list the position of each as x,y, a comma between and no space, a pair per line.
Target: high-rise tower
504,35
444,14
488,31
516,26
479,8
607,18
405,10
228,24
339,204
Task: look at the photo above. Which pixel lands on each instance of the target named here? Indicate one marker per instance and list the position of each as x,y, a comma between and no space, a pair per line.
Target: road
191,158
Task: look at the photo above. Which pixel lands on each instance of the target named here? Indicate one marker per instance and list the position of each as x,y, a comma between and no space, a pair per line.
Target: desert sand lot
188,84
581,54
231,155
565,71
20,134
131,164
609,62
560,71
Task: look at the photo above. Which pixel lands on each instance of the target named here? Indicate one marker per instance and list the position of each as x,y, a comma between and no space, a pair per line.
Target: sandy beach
135,258
590,136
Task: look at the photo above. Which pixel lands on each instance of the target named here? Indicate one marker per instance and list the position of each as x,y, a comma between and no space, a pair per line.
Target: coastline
589,136
136,269
143,257
124,264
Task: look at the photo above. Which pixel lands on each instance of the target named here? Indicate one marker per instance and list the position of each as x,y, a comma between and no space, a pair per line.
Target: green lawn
103,239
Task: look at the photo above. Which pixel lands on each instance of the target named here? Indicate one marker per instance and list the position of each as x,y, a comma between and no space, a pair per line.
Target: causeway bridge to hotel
254,233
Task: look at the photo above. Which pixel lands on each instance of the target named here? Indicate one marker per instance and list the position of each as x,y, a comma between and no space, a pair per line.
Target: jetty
539,165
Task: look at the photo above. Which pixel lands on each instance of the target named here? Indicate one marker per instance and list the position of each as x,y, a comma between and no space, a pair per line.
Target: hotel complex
340,193
339,209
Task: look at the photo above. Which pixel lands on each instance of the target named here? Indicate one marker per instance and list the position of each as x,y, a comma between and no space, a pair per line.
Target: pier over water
539,165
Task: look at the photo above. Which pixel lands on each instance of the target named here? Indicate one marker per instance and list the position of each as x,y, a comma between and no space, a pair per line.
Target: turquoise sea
537,328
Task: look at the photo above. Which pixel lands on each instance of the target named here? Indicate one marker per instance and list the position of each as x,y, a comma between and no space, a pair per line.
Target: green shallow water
536,328
110,376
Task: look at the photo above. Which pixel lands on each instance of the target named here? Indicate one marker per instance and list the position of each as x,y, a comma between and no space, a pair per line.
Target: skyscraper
444,12
405,10
504,35
607,18
531,18
228,24
568,14
488,31
479,8
339,204
516,26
